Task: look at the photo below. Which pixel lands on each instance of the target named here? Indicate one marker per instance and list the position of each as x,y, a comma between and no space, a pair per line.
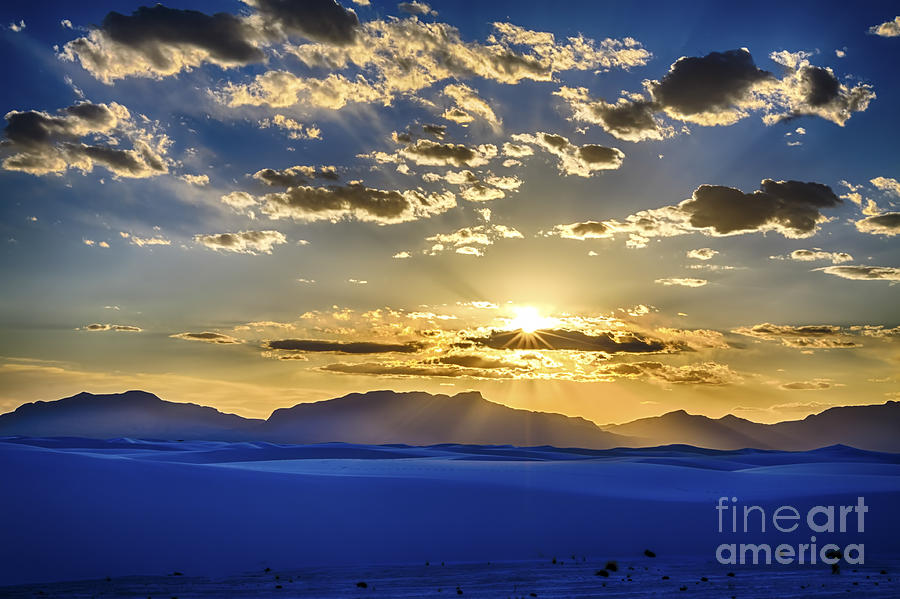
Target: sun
529,320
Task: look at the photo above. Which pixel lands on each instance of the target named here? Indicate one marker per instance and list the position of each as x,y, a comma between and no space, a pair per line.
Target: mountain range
419,418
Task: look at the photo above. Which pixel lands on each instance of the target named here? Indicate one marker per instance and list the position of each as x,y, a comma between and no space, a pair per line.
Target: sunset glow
666,207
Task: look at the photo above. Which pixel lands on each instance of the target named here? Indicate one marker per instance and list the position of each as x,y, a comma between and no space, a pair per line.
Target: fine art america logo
787,519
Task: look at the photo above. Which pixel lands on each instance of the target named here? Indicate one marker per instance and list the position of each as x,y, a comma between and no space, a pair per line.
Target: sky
609,209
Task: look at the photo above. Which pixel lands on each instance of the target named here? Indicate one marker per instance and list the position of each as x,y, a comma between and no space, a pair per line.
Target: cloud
295,175
470,240
239,200
206,337
882,224
468,102
416,370
144,241
40,143
806,89
816,385
417,8
706,373
627,119
791,208
814,255
887,29
319,20
564,339
585,230
357,201
517,150
342,347
198,180
720,89
121,328
407,55
877,331
682,282
437,131
887,184
158,41
701,254
801,336
17,27
476,361
710,90
244,242
295,129
473,189
574,159
431,153
864,273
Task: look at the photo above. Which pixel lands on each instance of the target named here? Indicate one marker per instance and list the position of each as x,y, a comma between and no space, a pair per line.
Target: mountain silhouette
377,417
419,418
872,427
137,414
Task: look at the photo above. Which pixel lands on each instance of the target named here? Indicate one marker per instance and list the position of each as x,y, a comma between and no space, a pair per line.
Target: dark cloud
244,242
122,328
40,143
149,29
594,154
342,347
715,82
295,175
574,159
158,41
416,8
820,86
589,228
355,200
722,88
628,120
435,130
318,20
791,206
881,224
429,152
125,163
417,370
562,339
476,361
206,337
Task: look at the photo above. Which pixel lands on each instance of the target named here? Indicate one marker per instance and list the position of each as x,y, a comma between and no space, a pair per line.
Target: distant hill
377,417
418,418
873,427
135,414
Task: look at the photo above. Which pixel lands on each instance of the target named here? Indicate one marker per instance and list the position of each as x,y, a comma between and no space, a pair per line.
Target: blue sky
138,273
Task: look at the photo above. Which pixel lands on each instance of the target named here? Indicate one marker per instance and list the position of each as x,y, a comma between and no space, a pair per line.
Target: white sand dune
76,509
